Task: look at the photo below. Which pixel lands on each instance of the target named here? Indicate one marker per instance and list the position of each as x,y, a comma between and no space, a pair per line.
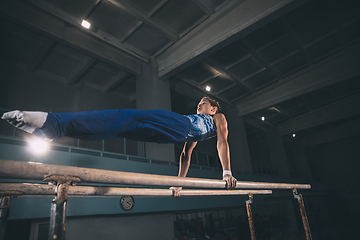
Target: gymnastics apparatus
151,126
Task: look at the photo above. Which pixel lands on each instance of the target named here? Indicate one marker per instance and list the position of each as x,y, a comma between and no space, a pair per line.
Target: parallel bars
62,180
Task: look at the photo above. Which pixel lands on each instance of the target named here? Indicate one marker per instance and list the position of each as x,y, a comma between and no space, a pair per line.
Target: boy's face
205,107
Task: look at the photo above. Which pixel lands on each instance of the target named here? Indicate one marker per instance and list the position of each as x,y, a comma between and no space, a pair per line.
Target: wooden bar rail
40,171
28,189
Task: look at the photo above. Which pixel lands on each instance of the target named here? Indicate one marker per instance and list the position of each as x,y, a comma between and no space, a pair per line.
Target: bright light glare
208,88
294,135
85,24
38,146
263,118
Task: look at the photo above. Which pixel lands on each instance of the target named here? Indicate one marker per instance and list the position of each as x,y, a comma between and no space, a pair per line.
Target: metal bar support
57,227
58,211
305,221
250,216
4,214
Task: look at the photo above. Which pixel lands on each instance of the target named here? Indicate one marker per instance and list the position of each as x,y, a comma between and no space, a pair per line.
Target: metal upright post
4,214
57,228
58,213
303,214
250,217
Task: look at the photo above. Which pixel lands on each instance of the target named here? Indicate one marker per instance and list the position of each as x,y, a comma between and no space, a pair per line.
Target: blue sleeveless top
202,128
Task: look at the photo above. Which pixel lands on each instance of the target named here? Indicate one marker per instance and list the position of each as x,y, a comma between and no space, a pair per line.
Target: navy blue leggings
159,126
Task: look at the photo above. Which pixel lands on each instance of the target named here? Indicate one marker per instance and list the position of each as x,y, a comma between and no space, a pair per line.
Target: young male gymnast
160,126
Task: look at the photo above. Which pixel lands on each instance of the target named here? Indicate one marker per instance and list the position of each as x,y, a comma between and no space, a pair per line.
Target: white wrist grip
226,172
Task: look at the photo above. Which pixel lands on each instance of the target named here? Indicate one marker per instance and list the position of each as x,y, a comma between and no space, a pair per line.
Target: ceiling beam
226,88
246,46
337,21
131,32
35,18
335,133
158,7
337,68
212,63
142,15
90,9
80,71
187,90
233,21
344,108
115,82
296,40
205,6
99,88
44,44
39,57
95,32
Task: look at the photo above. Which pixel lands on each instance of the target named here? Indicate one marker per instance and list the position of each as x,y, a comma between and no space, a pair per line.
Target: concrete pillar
153,93
277,154
239,148
302,162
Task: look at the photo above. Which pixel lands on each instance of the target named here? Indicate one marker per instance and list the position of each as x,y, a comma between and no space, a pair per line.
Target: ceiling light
85,24
263,118
208,88
294,135
38,146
